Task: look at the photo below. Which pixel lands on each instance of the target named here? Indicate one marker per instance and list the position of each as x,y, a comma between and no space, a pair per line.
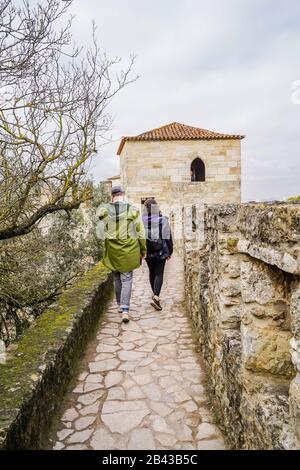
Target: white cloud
225,65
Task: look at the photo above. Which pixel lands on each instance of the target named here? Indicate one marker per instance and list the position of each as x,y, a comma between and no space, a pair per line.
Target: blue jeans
123,287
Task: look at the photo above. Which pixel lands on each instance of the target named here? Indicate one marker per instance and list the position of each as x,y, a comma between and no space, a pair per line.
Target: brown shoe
156,303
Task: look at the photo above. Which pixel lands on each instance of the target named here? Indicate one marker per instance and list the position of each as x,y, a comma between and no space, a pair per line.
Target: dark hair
151,206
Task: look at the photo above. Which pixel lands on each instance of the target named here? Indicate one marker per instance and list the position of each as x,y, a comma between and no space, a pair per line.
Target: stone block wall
243,294
162,170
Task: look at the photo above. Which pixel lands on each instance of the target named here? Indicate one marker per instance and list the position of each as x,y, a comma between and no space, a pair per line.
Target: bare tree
28,33
53,111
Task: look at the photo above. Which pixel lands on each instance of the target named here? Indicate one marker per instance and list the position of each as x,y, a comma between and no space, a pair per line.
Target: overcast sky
224,65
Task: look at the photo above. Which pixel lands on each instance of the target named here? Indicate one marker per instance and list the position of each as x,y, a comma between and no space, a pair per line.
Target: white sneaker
120,310
125,317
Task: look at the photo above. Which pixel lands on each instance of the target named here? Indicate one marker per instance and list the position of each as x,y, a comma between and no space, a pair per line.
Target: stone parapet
38,369
243,294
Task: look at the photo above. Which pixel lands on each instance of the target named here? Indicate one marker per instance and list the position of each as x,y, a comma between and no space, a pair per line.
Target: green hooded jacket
124,234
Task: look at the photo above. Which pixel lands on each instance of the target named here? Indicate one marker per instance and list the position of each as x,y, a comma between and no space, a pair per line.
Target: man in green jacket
125,245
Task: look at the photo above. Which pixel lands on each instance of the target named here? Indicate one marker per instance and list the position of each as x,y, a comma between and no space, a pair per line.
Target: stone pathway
142,386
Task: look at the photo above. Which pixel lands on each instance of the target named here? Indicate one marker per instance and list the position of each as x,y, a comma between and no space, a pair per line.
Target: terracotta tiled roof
177,131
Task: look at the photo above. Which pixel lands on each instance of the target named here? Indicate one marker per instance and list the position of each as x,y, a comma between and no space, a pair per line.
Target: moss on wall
37,372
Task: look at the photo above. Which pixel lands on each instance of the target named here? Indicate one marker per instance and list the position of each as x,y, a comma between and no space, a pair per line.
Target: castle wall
162,169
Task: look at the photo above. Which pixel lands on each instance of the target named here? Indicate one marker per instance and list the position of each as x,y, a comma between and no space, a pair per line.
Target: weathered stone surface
113,378
94,378
166,440
207,431
261,283
124,421
102,366
102,440
242,293
266,349
61,435
141,439
91,409
80,436
90,398
116,393
70,415
211,445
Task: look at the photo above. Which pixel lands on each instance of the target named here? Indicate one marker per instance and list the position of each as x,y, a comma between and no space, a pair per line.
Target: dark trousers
156,273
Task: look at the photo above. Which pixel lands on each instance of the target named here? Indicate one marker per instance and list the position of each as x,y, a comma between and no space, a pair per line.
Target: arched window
197,170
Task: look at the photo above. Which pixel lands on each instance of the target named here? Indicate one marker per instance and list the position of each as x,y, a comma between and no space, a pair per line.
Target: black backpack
154,245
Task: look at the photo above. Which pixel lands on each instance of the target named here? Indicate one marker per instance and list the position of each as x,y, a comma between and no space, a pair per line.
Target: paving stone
159,424
108,364
83,423
80,437
103,356
114,407
147,347
207,431
102,440
131,355
91,409
78,388
152,391
113,378
192,420
58,446
127,346
135,393
143,379
131,336
89,387
166,439
146,361
131,326
107,340
142,386
61,435
110,331
70,415
90,398
190,406
181,396
82,375
211,445
116,393
128,366
185,433
94,378
128,383
160,408
124,421
141,439
77,447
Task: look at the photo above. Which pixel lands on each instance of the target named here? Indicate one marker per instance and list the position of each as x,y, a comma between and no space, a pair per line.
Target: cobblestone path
142,385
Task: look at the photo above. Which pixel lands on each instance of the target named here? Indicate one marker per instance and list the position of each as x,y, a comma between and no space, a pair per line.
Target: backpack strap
160,221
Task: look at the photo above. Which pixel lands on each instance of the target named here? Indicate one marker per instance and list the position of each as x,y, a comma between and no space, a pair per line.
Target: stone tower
182,164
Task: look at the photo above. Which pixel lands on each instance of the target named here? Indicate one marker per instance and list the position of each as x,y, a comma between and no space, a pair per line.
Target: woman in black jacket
159,247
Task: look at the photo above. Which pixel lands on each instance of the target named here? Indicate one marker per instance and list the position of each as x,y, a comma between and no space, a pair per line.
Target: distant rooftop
117,177
177,131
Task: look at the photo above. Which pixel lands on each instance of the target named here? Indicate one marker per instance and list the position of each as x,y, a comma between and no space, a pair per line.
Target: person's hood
119,210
